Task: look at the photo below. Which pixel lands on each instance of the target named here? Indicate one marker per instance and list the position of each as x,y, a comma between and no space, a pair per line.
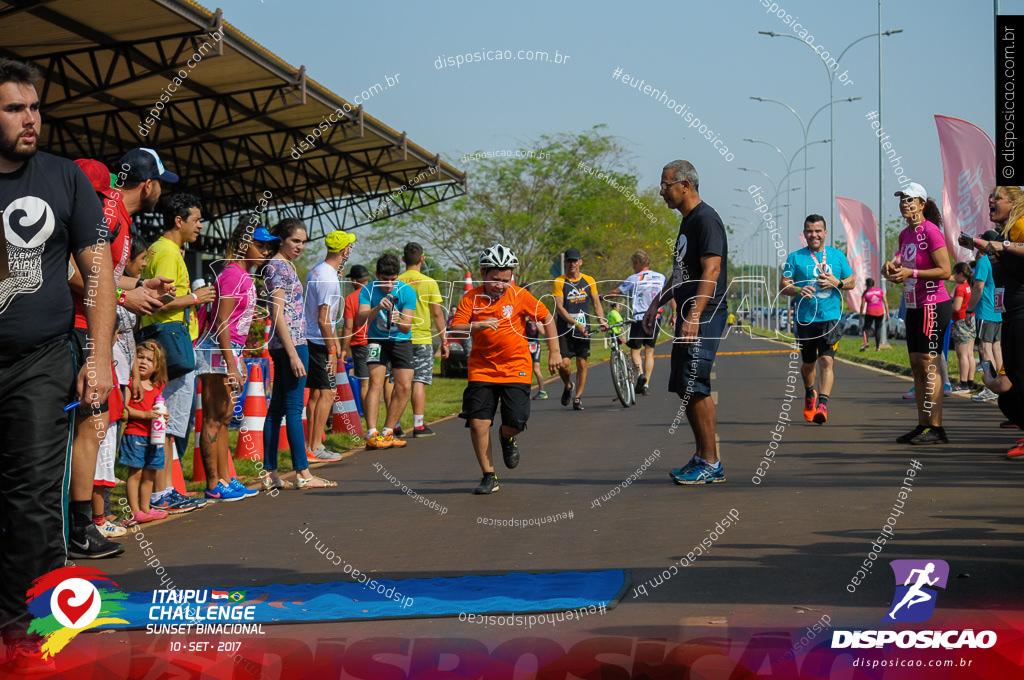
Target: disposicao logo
66,601
914,602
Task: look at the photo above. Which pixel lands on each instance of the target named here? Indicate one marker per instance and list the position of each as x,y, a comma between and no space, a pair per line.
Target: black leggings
1012,403
877,321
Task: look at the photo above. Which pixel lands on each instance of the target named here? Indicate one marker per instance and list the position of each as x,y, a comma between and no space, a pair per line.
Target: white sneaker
985,395
323,454
111,530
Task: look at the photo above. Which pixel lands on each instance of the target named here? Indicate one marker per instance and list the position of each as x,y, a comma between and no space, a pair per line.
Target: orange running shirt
502,355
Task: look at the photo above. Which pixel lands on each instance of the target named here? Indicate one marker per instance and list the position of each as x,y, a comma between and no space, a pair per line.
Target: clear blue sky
707,55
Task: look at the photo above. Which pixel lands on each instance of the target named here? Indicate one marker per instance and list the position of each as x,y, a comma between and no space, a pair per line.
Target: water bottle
158,426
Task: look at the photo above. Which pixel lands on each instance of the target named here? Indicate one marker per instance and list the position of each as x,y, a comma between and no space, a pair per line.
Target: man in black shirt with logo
698,284
49,212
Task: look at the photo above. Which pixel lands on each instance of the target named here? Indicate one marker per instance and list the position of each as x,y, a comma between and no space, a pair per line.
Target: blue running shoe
679,471
701,473
224,494
184,500
173,503
236,485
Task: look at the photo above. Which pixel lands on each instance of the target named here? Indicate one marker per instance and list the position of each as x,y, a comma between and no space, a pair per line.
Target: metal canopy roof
230,129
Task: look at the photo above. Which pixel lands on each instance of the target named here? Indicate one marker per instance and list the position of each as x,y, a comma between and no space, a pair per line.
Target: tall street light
806,129
831,108
789,171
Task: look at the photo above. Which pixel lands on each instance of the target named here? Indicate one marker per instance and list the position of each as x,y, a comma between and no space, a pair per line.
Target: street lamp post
831,109
806,129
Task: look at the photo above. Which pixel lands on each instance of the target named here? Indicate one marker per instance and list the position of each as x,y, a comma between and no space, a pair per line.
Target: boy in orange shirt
500,364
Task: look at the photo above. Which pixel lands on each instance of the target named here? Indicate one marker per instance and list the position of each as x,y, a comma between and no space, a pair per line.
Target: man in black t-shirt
49,212
698,285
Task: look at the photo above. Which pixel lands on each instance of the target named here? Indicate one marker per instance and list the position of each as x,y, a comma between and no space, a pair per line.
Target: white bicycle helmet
498,257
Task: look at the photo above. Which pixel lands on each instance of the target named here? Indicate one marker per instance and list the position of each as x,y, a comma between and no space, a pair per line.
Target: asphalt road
802,533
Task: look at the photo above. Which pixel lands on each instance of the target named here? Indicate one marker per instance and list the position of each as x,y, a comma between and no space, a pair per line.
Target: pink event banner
968,174
861,245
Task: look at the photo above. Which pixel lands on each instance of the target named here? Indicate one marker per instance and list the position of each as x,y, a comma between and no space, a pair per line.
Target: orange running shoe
379,441
809,406
393,442
821,415
1017,452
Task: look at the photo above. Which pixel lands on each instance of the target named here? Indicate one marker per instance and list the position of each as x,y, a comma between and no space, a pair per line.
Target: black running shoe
423,431
905,439
641,381
577,405
489,484
567,394
87,543
931,435
509,451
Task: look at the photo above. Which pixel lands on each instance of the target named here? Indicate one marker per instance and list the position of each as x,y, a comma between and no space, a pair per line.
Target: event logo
915,602
69,600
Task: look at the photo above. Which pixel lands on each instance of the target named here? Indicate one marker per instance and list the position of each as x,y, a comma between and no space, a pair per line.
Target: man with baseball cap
323,297
573,294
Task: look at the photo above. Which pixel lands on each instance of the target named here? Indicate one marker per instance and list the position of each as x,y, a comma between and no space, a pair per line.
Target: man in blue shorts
814,276
698,284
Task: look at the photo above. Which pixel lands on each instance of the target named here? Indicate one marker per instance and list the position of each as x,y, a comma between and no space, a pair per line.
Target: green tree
538,206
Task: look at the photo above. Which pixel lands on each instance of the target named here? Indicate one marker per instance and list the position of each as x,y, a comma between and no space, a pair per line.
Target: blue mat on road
342,600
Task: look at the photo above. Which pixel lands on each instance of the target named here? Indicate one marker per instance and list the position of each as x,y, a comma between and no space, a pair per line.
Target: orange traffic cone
345,416
469,282
177,476
198,472
254,415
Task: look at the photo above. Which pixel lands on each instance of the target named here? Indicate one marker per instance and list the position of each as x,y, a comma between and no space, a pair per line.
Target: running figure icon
915,595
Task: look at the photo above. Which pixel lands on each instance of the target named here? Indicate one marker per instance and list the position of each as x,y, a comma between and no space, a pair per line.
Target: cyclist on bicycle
644,285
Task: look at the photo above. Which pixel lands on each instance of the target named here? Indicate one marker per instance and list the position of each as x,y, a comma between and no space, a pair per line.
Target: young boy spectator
353,339
499,362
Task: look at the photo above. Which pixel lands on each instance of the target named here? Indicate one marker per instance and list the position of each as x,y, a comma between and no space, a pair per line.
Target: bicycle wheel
620,377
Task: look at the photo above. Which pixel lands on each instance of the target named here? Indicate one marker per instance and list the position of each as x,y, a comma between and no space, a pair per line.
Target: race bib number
997,300
910,293
581,319
373,352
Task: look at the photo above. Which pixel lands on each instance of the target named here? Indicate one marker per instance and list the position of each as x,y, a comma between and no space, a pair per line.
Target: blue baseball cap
261,234
145,164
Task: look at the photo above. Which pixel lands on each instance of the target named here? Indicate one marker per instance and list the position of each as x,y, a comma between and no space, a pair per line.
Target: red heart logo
74,613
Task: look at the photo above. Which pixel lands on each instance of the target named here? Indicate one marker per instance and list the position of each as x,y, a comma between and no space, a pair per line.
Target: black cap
145,164
358,271
992,235
573,254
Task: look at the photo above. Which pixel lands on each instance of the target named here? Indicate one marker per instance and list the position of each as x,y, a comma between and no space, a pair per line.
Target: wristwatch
1006,245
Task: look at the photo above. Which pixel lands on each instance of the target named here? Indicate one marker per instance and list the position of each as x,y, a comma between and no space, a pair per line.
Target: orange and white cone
198,471
177,476
345,416
254,415
469,282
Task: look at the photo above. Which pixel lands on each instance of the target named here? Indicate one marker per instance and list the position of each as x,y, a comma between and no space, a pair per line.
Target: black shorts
818,339
480,402
359,362
396,353
571,346
316,375
692,361
78,340
926,327
638,336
